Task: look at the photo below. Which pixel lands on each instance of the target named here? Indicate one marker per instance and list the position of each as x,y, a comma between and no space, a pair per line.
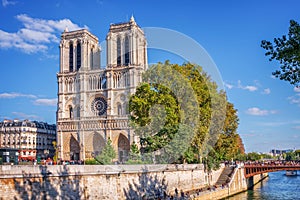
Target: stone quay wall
239,183
101,181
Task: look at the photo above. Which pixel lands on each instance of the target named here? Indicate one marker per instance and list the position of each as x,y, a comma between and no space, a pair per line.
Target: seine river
276,187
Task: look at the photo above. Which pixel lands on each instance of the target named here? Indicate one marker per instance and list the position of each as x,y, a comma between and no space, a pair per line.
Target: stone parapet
100,181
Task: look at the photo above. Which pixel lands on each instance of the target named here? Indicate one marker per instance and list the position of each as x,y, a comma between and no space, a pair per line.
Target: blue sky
230,31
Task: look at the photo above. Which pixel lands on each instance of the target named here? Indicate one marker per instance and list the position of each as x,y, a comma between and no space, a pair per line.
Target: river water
277,186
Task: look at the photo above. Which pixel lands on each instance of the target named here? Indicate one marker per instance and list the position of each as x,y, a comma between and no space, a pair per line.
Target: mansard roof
27,123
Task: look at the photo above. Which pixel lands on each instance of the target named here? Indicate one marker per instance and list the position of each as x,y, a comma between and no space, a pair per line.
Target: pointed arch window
127,53
92,59
71,58
70,112
78,111
78,56
118,51
119,109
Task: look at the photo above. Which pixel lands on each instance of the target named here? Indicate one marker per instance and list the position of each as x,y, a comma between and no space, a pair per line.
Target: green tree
134,155
55,151
230,144
163,121
107,154
297,152
253,156
286,50
290,156
210,103
162,113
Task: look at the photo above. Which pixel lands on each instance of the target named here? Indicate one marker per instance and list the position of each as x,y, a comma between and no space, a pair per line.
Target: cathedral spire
132,18
66,29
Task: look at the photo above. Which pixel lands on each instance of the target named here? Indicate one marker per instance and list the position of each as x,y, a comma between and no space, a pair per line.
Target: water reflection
277,187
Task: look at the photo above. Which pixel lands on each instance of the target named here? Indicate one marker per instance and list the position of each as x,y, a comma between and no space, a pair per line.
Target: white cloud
280,123
227,85
48,25
26,116
46,102
37,34
259,112
6,3
267,91
296,89
15,95
250,88
295,99
239,85
273,77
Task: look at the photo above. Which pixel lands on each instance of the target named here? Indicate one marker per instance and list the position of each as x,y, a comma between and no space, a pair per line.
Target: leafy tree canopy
286,50
181,116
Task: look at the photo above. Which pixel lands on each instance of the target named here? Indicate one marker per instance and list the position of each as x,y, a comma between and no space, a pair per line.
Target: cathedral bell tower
93,101
79,57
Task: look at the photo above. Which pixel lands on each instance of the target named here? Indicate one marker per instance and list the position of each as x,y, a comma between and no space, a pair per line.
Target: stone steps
224,177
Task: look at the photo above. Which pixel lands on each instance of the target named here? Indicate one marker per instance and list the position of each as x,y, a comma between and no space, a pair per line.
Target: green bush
134,162
91,161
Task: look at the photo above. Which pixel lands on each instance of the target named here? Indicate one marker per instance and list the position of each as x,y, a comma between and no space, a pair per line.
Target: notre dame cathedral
93,101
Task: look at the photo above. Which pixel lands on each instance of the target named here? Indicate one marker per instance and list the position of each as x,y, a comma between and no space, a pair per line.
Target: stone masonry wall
100,181
237,184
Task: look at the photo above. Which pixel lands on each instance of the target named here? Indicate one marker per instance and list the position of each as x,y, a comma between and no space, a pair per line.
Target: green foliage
212,161
176,125
160,114
286,50
253,156
134,155
266,156
55,152
91,161
134,162
297,152
228,142
291,156
145,104
240,157
107,154
190,156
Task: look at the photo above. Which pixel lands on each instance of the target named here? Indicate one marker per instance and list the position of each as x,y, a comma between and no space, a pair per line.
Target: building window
70,112
118,51
119,109
71,58
78,56
127,51
92,58
78,112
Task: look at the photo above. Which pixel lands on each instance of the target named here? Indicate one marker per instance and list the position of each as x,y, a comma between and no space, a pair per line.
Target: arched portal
98,143
74,148
123,148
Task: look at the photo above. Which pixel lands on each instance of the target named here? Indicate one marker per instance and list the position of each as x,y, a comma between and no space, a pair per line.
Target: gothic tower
93,101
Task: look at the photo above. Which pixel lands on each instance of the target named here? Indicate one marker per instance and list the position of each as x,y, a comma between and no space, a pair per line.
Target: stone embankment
100,181
232,182
117,181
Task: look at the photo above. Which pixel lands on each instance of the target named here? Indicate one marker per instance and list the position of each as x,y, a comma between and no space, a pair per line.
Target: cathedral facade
93,101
